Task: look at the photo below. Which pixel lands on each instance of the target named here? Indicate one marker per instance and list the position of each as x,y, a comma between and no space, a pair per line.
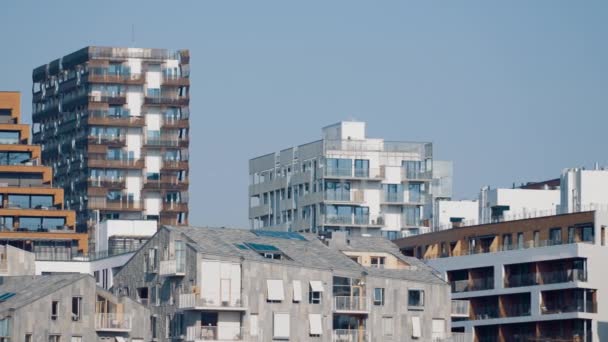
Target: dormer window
378,262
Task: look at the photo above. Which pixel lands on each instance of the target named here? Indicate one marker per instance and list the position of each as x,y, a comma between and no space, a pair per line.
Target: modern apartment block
114,125
206,284
348,182
536,279
32,214
70,308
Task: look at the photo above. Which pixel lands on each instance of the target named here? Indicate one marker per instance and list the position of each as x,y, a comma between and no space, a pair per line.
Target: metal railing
349,335
349,172
416,175
172,267
191,300
112,321
214,333
578,306
460,307
375,145
350,303
476,284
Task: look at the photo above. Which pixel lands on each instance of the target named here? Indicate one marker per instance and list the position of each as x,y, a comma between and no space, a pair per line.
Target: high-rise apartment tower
114,125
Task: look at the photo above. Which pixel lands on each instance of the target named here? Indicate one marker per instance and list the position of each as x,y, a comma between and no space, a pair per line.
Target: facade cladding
221,284
538,279
348,182
32,214
114,125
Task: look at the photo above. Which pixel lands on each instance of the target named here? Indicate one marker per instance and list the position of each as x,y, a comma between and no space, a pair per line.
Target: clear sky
511,91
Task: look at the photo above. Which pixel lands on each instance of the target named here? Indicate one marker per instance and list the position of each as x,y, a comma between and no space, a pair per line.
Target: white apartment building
348,182
453,213
584,189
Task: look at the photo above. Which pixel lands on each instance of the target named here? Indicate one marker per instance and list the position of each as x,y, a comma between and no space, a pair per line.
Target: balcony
416,176
113,322
475,284
102,118
374,174
353,196
175,165
214,333
108,183
165,183
171,80
115,205
113,99
460,308
98,161
172,268
168,101
354,221
175,123
160,142
351,305
115,78
563,276
349,335
193,301
175,207
111,140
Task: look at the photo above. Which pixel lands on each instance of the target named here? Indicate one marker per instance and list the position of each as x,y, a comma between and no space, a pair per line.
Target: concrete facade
238,285
68,308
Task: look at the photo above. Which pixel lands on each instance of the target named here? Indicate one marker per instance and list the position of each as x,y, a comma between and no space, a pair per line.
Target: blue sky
511,91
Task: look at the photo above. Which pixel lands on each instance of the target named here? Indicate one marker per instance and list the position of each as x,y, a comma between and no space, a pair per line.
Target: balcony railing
166,183
476,284
578,306
194,300
172,267
112,322
118,205
175,165
107,182
412,175
175,207
114,163
350,303
166,142
214,333
107,139
349,335
486,312
96,77
373,173
168,100
460,308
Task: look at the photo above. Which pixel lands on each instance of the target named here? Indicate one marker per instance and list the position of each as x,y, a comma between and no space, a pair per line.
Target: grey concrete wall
254,296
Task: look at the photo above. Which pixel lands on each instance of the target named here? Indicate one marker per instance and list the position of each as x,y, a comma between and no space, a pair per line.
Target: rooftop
300,250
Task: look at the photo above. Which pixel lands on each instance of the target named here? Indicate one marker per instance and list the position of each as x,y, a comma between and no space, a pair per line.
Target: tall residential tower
348,182
114,125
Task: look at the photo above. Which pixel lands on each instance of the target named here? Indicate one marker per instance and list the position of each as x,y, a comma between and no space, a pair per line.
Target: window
506,242
28,338
555,236
536,238
142,295
297,291
387,326
416,329
378,262
280,329
438,329
275,290
76,308
415,298
76,339
316,324
379,296
54,310
54,338
520,240
152,260
253,322
315,293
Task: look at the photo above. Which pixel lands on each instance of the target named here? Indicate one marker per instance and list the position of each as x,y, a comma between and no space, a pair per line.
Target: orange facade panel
82,238
11,100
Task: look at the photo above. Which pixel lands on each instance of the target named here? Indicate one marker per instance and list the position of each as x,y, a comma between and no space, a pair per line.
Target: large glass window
415,192
14,158
53,222
361,168
393,192
337,191
339,167
411,216
361,215
30,223
18,201
555,236
41,201
9,137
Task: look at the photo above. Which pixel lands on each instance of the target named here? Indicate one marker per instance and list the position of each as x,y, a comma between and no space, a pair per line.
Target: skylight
280,235
267,251
6,296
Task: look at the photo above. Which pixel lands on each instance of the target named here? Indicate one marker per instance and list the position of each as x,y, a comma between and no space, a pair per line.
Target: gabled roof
301,250
28,289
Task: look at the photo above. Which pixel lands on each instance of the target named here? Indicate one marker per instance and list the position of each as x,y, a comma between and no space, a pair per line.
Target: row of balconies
126,205
229,333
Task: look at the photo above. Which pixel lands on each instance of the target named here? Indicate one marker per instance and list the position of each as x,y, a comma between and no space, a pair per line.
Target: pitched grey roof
309,252
28,289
